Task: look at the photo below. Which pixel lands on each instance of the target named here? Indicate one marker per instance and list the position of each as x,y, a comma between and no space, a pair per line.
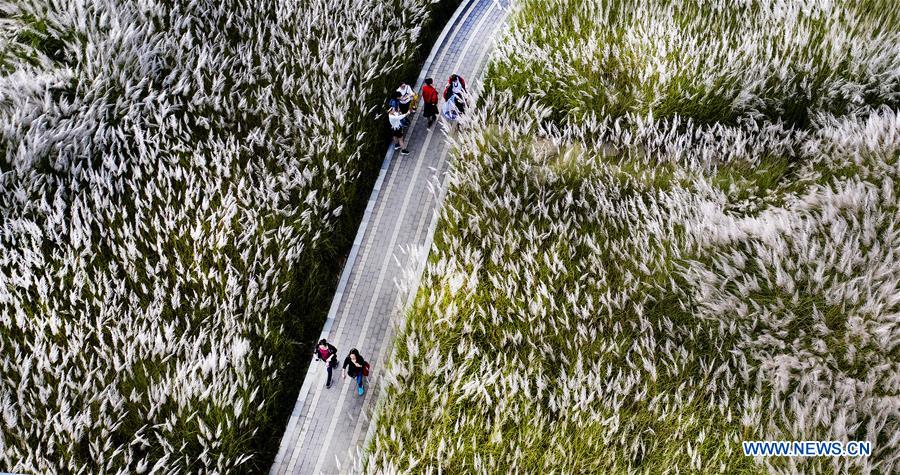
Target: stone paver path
328,427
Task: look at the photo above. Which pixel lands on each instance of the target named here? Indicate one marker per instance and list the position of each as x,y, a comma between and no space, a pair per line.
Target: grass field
711,61
639,282
175,180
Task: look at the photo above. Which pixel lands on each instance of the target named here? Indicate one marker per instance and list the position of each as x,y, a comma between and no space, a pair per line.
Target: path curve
328,427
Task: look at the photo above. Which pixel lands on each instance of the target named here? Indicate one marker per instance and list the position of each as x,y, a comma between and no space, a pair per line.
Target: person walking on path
356,367
456,85
398,129
451,110
430,98
406,97
328,353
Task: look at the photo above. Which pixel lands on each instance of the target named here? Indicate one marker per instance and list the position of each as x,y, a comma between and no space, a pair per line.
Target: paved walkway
328,427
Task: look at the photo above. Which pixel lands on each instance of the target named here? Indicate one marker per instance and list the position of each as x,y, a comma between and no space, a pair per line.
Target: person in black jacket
328,353
356,367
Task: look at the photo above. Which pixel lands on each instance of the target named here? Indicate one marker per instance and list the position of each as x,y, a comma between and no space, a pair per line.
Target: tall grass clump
710,60
172,175
634,291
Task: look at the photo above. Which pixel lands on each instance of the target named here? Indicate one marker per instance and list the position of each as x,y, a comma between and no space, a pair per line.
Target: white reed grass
167,170
634,291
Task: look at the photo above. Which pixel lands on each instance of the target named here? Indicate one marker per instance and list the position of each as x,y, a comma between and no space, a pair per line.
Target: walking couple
354,364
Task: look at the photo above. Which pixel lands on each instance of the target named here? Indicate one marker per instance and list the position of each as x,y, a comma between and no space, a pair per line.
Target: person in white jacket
398,129
451,109
406,97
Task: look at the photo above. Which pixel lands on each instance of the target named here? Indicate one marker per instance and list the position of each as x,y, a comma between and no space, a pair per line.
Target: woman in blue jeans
356,367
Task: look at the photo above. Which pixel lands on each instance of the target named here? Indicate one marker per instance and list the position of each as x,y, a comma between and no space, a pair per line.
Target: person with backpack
398,124
356,367
456,85
328,353
430,98
406,97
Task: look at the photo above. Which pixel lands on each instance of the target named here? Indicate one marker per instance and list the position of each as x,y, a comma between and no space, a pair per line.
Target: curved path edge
328,428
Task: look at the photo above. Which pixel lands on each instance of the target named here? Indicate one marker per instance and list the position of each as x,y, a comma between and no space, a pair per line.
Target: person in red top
430,97
328,353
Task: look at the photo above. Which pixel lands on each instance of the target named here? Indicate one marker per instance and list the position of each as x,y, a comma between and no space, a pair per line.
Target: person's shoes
360,390
328,385
404,152
396,146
